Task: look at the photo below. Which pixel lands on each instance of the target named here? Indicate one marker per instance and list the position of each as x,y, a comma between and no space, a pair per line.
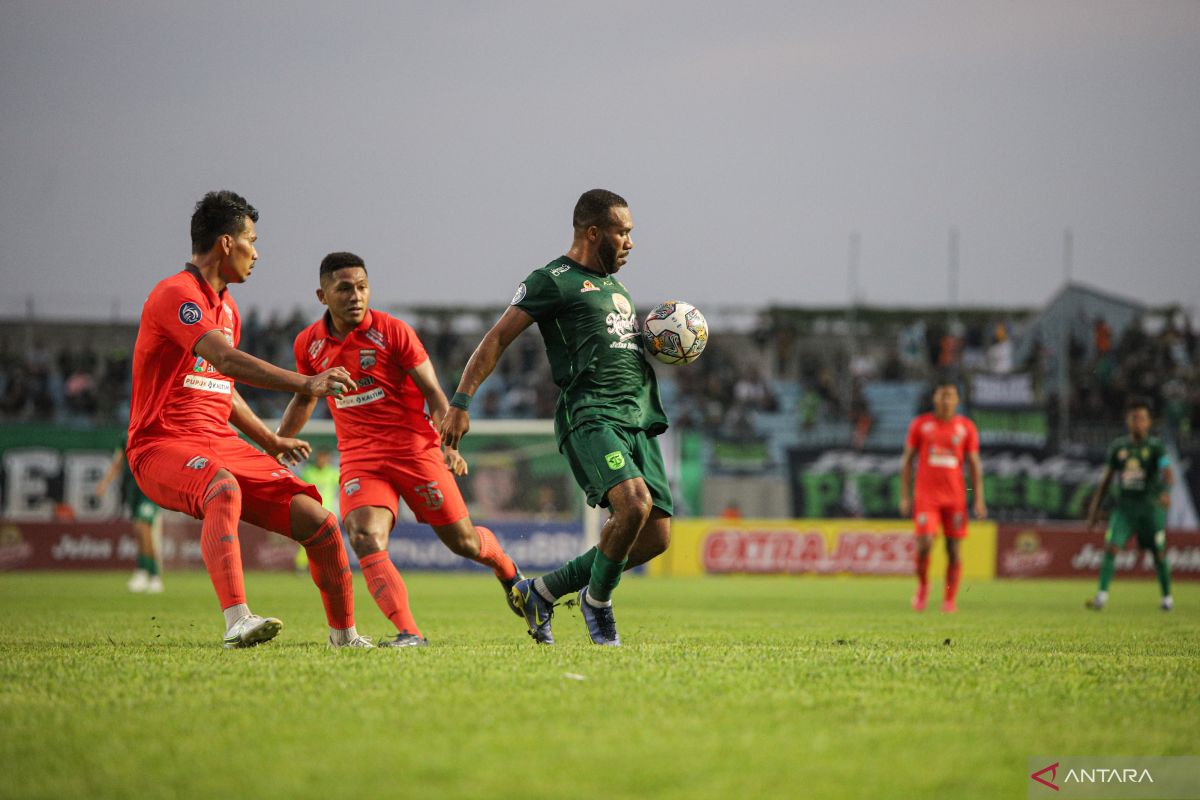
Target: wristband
461,400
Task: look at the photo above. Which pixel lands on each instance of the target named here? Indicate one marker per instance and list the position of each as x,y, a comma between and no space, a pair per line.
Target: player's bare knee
364,542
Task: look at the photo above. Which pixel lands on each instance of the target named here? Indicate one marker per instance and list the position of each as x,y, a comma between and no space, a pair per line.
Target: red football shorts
952,520
175,474
422,479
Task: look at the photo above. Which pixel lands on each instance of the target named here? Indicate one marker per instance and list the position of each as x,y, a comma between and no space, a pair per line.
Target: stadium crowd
815,375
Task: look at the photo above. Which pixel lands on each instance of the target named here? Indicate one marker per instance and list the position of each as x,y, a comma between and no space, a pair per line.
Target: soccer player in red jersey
939,442
389,445
182,450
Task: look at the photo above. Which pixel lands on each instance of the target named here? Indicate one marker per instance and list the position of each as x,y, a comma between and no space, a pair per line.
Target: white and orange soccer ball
675,332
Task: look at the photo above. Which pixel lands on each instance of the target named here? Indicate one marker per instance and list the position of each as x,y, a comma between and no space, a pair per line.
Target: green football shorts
601,456
1147,520
140,507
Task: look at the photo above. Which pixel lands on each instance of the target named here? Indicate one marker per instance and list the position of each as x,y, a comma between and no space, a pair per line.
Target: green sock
1107,568
571,576
152,566
144,563
606,574
1164,574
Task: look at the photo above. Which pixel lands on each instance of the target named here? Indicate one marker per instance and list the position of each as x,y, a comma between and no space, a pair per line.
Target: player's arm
1093,515
483,361
286,449
425,377
231,362
906,475
297,414
114,469
1168,480
975,467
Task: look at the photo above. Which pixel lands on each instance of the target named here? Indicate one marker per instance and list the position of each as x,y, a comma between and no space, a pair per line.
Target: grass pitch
726,687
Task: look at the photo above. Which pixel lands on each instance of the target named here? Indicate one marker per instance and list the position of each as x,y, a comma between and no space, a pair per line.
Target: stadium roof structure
1072,314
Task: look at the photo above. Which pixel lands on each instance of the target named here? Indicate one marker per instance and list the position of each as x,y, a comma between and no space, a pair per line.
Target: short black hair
946,380
593,207
218,214
335,261
1136,402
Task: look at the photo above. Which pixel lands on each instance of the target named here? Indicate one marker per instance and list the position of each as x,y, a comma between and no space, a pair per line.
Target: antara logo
1053,770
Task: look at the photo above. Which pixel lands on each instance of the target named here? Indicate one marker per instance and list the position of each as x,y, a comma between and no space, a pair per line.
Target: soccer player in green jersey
145,516
1143,471
607,415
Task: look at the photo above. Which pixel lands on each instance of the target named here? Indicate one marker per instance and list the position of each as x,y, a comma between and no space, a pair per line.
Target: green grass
726,687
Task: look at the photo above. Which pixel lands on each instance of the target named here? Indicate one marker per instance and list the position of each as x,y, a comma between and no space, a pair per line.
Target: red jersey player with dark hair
182,450
389,447
940,442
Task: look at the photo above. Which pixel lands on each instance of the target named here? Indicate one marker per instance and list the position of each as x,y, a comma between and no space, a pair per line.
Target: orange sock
953,573
387,587
330,570
923,571
491,554
219,542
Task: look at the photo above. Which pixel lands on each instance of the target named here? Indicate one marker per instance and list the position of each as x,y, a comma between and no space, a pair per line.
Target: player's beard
606,254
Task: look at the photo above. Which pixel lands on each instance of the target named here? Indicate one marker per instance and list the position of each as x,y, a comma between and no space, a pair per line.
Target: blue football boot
601,623
536,610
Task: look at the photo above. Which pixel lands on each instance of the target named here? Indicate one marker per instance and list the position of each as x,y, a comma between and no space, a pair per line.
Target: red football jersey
941,448
177,394
386,415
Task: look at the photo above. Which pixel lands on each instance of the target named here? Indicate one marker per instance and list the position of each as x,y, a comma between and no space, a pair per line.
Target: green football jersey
593,340
1138,468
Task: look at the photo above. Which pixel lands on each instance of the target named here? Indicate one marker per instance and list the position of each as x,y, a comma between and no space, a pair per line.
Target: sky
446,143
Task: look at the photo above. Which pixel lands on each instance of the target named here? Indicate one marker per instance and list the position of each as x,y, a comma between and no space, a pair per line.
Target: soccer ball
675,332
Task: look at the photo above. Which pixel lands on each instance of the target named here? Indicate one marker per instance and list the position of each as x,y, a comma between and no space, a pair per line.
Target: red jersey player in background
939,442
388,445
182,450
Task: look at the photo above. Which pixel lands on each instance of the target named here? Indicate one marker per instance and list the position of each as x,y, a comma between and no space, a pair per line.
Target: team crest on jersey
190,313
376,337
315,348
196,462
520,294
366,359
351,486
621,303
588,286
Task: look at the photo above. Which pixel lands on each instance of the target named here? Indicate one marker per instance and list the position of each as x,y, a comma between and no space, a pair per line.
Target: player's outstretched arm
231,362
297,414
425,377
1093,515
483,361
286,449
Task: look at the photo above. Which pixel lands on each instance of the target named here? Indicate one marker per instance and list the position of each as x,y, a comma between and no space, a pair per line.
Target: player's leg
1155,542
1115,537
188,477
429,489
369,527
317,531
652,541
276,500
145,527
954,527
925,523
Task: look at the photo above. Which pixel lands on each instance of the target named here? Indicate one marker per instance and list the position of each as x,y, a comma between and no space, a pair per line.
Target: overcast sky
446,143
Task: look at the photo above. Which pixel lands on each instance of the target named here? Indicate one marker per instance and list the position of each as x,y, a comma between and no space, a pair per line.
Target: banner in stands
816,547
1018,485
1042,551
536,546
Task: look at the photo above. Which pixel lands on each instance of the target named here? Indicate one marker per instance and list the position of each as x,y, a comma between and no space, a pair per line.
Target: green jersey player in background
607,415
1143,471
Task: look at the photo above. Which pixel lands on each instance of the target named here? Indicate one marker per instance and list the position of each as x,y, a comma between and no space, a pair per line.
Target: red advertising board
111,545
1051,551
